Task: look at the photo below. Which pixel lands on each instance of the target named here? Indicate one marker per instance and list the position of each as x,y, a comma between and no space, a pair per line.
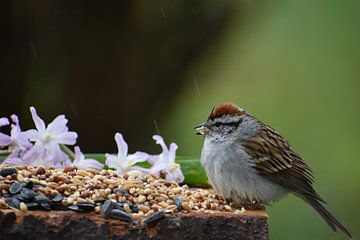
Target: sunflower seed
41,198
7,171
32,205
86,207
13,202
29,185
135,208
15,187
19,197
152,219
27,193
121,191
118,214
178,202
58,198
106,208
45,206
75,208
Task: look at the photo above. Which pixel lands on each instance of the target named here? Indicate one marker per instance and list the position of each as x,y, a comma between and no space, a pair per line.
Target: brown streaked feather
223,109
275,160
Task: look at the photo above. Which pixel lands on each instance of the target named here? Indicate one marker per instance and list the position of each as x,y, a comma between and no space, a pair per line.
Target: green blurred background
131,65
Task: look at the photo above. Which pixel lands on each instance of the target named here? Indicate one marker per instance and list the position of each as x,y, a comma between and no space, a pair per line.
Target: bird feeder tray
71,225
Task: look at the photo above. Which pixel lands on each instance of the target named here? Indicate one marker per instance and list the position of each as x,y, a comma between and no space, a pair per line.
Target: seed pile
127,197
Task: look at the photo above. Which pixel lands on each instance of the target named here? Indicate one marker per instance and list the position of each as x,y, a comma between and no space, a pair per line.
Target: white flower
123,162
4,121
46,150
55,133
18,142
5,140
82,163
165,162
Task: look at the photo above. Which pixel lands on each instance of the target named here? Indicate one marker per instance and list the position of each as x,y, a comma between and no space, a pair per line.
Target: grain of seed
141,199
144,208
138,216
186,206
176,190
97,209
163,204
23,207
127,208
227,208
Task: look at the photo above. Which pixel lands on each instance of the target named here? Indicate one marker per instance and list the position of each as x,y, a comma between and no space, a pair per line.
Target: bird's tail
326,215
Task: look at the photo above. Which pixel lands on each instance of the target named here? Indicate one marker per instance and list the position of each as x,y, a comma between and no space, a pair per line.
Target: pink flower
83,163
165,162
123,162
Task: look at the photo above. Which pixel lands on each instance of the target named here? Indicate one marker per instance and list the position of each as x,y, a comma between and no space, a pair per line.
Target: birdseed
127,197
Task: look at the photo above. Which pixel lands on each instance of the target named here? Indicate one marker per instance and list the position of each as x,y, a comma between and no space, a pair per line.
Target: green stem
67,151
5,152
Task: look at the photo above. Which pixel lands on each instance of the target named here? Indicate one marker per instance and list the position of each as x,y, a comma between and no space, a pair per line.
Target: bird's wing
275,160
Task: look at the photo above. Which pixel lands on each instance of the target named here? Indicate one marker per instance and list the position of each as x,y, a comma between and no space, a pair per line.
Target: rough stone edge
70,225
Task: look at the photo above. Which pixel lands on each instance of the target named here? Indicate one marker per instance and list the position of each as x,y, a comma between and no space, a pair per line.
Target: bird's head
228,120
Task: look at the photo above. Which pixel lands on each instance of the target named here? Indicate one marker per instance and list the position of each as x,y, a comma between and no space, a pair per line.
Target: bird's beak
201,129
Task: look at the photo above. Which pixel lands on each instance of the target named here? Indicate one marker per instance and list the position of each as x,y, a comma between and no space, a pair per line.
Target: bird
249,162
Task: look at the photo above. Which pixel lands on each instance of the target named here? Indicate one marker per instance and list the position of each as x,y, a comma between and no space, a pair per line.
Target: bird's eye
218,124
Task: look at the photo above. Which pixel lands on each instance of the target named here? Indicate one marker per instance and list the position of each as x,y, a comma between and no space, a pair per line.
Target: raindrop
196,86
156,127
33,49
163,12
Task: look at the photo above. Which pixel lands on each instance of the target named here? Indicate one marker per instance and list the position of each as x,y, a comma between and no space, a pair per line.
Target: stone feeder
42,203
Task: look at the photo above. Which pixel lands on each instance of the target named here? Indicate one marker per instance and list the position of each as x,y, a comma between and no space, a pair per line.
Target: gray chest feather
230,172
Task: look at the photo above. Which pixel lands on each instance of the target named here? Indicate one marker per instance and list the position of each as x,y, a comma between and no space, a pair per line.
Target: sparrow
248,161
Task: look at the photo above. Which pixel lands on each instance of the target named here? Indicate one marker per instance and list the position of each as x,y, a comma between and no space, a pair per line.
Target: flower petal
158,166
33,154
68,138
14,161
15,119
172,153
54,156
66,162
4,121
141,169
175,175
78,155
20,139
58,125
83,163
137,157
5,140
112,161
160,140
122,146
152,159
15,130
28,133
39,123
89,163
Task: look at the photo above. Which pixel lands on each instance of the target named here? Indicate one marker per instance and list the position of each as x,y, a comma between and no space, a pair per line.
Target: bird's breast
230,171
